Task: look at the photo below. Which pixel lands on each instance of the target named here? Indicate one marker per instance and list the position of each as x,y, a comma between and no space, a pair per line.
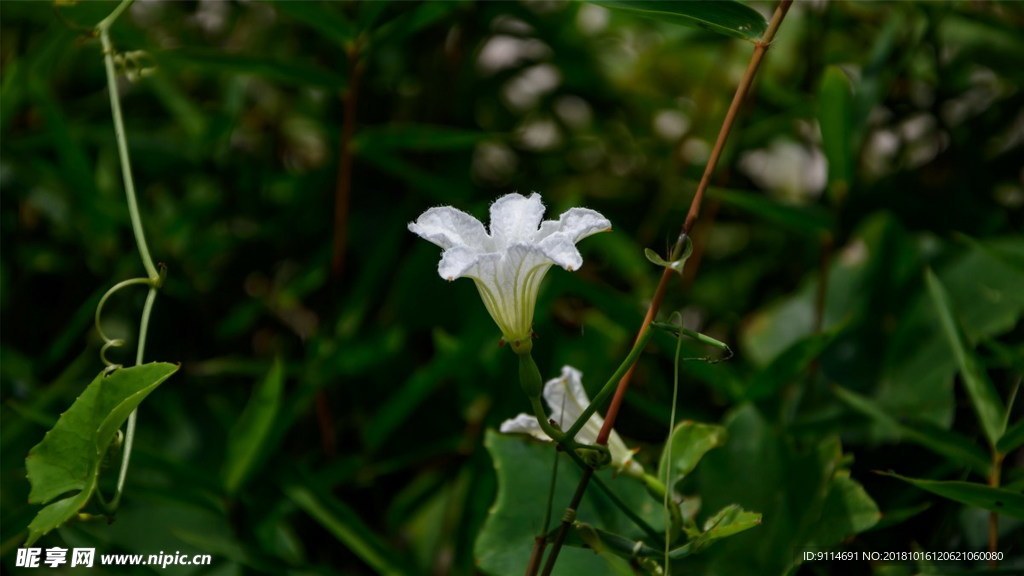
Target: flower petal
571,383
561,250
459,261
524,424
448,227
558,238
515,218
622,456
567,399
576,223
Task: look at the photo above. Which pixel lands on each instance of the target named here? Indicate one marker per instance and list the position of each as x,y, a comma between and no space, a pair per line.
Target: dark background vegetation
393,375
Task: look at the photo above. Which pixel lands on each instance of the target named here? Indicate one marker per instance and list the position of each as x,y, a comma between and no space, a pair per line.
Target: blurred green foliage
881,140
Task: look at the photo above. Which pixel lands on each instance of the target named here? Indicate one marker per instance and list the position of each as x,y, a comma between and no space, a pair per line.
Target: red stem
659,294
691,218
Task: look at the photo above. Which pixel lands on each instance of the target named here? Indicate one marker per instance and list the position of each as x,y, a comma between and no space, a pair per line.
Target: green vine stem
589,473
103,28
668,503
109,342
154,276
609,387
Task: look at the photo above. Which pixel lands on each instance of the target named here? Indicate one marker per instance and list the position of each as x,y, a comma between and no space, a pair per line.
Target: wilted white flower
567,399
508,263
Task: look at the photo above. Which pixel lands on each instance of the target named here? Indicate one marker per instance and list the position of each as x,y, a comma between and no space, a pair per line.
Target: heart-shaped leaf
68,459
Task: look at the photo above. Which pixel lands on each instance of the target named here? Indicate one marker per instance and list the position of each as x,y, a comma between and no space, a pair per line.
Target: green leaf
411,21
788,481
918,367
984,287
56,514
524,476
809,221
368,14
85,15
408,396
68,459
986,401
440,187
998,500
1016,484
612,547
1009,251
788,366
851,509
676,265
1012,439
944,442
327,18
835,115
348,528
722,16
73,159
296,73
690,441
728,521
897,516
246,440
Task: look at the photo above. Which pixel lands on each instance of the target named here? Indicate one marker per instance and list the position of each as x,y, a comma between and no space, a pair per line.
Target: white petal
571,382
515,218
524,424
622,457
579,223
457,260
567,399
448,227
558,238
576,223
561,250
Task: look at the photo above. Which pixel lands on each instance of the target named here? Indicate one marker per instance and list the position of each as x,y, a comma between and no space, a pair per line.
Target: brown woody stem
343,186
993,518
691,218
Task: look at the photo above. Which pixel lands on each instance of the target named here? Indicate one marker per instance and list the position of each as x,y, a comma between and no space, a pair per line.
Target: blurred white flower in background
790,171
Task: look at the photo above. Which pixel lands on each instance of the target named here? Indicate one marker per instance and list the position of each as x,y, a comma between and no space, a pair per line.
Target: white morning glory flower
508,263
567,399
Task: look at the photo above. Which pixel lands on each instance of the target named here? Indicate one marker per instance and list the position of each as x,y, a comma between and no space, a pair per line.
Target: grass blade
348,528
996,500
986,401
